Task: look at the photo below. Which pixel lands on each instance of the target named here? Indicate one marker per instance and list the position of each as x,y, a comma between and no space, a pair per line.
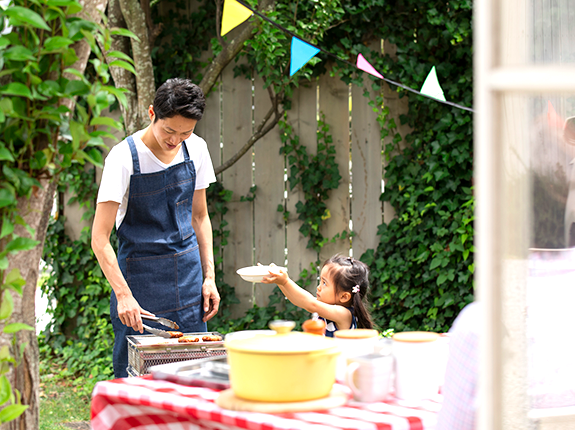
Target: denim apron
158,252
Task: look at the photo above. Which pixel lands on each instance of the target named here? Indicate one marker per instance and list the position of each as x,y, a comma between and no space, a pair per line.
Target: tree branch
122,77
261,131
230,51
145,86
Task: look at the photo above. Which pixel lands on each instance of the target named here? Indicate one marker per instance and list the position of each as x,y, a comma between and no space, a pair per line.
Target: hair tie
355,289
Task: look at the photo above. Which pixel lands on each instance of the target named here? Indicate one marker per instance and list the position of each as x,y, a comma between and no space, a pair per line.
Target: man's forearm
109,265
206,245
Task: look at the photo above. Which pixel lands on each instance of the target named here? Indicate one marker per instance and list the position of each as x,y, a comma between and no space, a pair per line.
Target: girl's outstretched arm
294,293
305,300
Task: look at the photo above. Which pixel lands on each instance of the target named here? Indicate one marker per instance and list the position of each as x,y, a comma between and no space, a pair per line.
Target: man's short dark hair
179,97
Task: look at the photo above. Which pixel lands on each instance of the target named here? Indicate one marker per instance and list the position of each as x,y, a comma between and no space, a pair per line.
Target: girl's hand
276,276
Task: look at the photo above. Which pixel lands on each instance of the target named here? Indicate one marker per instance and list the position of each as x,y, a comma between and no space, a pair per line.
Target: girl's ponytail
362,313
353,276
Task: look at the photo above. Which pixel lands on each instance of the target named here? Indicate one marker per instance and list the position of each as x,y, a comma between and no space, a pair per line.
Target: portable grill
145,351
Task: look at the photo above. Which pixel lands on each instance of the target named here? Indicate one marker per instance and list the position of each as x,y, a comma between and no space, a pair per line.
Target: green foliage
40,135
80,336
217,197
422,269
179,47
316,175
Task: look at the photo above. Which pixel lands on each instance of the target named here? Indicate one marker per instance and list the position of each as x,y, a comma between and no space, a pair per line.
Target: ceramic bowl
257,273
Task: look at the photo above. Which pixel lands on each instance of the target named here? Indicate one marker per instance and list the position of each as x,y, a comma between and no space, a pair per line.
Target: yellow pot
286,367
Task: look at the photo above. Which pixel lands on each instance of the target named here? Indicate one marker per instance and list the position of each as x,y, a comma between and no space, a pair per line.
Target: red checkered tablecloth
146,404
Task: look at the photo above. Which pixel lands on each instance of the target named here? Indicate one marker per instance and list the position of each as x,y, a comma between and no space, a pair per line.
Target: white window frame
491,80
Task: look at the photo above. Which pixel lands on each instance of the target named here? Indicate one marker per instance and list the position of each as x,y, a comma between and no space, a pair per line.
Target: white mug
417,357
369,377
353,343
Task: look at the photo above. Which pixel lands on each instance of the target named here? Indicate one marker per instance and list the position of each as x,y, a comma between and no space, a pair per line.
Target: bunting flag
233,15
364,65
237,11
553,119
431,86
301,53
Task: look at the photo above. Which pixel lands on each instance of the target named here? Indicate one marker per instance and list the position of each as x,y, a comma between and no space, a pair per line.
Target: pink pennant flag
553,119
364,65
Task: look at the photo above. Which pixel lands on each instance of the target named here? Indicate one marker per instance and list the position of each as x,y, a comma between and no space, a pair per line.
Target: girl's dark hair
179,97
346,273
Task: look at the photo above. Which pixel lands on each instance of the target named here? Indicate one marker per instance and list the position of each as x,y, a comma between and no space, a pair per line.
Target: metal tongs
164,321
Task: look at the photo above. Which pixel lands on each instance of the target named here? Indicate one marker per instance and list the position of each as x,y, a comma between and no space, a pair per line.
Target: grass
60,403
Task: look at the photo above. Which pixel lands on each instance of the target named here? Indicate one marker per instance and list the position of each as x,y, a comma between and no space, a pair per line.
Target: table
145,404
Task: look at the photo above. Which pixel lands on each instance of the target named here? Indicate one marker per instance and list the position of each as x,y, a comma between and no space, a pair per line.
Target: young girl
343,284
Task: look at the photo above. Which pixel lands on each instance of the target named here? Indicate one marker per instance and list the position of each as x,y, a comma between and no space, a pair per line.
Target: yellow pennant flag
234,14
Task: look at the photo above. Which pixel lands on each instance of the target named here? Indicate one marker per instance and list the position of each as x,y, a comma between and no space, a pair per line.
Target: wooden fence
258,232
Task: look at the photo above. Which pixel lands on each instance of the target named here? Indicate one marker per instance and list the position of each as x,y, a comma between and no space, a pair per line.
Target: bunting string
236,11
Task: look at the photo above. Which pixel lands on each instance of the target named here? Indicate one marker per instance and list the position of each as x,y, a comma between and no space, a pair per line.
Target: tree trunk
25,377
91,11
122,77
141,53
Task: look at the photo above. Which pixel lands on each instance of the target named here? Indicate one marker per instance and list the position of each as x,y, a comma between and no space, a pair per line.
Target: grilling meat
175,334
211,338
187,339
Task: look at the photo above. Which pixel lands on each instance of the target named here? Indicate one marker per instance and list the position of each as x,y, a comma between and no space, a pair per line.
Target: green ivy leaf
23,15
19,53
102,120
62,3
78,133
121,55
5,389
77,88
7,197
441,278
117,31
21,244
56,43
118,93
6,307
123,65
74,8
12,412
16,89
5,153
93,156
7,227
15,281
16,327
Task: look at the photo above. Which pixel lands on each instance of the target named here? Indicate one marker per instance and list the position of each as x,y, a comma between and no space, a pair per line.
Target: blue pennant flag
301,53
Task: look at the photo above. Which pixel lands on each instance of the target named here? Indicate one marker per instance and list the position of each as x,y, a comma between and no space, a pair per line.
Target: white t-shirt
118,167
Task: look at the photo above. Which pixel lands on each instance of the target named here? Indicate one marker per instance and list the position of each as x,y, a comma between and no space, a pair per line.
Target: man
154,189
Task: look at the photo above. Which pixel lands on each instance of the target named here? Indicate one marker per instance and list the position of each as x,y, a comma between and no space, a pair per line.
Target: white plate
257,273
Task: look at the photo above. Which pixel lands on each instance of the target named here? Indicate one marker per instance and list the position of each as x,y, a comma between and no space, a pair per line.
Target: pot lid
358,333
282,343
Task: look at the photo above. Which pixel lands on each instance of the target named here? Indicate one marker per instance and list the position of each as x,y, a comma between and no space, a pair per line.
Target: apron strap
135,159
186,154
